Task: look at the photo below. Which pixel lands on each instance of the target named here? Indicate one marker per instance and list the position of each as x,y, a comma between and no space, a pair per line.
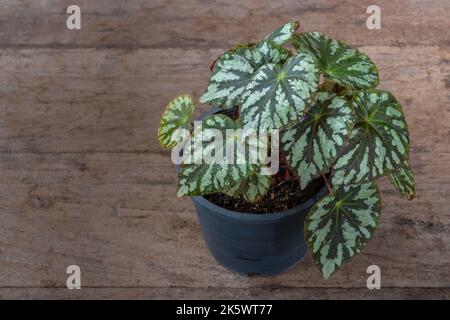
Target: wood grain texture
110,100
224,293
117,215
217,23
84,181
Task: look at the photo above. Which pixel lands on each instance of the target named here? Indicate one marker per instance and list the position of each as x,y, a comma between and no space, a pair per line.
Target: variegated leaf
340,63
211,160
284,33
379,141
233,191
340,224
312,145
256,186
277,96
267,51
175,118
234,69
403,180
230,75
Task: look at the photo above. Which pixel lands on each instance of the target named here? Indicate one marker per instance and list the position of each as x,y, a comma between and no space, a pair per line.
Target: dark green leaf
340,224
252,188
284,33
312,145
223,170
234,69
175,121
340,63
403,180
379,141
277,96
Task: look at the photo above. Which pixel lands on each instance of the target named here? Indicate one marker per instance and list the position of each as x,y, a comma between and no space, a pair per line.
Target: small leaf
340,63
284,33
277,96
312,145
175,118
234,69
233,191
403,180
340,224
256,187
379,141
223,170
252,188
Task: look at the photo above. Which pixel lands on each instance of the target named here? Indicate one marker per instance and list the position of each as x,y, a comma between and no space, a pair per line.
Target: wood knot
82,167
39,202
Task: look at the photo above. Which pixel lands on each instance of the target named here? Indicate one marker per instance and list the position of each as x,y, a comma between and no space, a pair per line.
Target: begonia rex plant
321,94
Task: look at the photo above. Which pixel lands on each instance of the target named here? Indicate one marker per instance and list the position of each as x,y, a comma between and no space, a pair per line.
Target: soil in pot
284,194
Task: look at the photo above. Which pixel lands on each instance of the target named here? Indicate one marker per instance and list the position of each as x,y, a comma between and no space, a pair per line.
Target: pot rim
262,217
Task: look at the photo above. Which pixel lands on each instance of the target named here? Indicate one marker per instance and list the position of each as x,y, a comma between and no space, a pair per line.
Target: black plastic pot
254,244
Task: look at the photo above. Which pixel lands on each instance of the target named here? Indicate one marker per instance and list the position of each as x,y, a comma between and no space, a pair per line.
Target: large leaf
312,145
234,69
403,180
284,33
379,141
277,96
340,224
340,63
212,161
175,120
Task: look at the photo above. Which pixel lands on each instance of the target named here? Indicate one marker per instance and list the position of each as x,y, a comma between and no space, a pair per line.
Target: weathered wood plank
83,180
148,181
196,23
117,217
225,293
111,100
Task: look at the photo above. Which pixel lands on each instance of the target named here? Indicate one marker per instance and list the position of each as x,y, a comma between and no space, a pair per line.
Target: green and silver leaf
340,224
224,168
312,145
255,187
267,51
339,62
234,69
277,96
252,188
175,121
379,141
230,75
284,33
403,180
235,190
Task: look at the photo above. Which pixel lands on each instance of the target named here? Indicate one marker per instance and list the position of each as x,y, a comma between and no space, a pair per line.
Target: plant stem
327,183
287,180
328,85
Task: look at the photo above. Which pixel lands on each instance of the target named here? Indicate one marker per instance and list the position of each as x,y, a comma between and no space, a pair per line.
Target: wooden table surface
84,181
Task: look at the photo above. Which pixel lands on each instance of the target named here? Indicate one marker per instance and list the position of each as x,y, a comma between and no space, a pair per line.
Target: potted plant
330,135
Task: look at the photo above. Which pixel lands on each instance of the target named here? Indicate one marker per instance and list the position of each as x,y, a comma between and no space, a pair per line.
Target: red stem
327,183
